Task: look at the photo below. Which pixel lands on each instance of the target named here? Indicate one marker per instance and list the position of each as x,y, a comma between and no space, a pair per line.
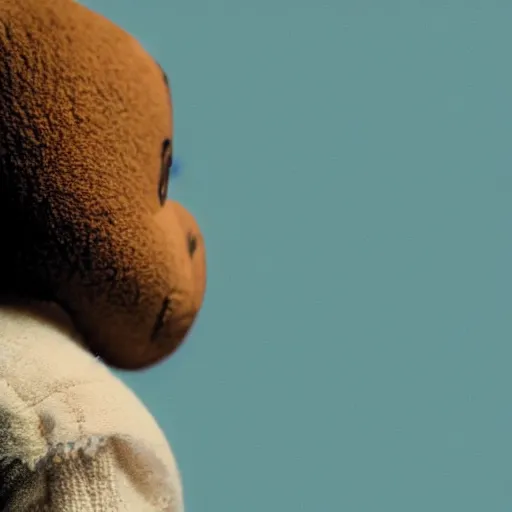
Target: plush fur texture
85,131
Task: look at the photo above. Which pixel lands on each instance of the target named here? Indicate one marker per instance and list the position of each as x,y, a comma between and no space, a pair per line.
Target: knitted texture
84,484
72,436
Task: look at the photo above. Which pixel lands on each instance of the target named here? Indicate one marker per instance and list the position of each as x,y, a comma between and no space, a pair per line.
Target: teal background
351,168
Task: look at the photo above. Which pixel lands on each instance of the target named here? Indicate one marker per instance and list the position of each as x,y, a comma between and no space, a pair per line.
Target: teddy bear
99,270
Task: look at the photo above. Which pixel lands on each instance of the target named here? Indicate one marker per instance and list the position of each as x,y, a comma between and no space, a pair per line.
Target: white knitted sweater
73,437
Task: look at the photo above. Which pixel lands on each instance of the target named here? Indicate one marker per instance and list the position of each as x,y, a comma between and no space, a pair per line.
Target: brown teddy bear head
85,152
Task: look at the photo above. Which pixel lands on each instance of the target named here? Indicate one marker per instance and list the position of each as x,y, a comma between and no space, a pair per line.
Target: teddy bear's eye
165,170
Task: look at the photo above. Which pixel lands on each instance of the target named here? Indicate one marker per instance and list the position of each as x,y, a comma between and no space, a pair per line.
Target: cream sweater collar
53,393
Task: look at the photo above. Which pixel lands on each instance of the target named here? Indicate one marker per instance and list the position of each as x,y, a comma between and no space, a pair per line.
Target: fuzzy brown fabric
85,125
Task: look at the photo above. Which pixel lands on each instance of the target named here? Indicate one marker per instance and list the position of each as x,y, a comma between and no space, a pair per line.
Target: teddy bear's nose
191,244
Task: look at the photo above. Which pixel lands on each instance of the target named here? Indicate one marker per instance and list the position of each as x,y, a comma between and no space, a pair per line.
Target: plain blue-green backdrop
350,164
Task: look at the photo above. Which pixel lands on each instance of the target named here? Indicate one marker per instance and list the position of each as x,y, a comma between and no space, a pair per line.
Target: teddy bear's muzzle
165,313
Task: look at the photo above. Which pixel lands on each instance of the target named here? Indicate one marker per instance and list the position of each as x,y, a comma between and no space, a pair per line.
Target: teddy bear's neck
35,319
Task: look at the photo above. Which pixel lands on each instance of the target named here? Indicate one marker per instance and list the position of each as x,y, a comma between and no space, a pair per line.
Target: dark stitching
160,318
166,164
166,80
